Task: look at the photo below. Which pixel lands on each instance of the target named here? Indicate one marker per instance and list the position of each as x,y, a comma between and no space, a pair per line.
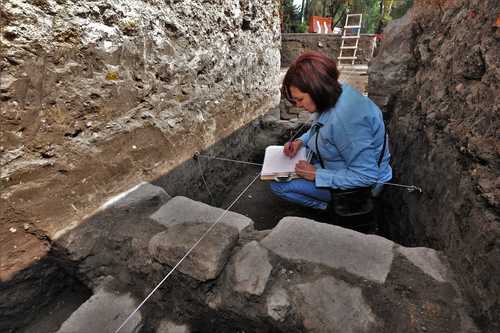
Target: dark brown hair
316,74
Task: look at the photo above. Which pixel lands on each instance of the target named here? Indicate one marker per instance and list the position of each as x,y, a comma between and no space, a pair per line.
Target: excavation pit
259,269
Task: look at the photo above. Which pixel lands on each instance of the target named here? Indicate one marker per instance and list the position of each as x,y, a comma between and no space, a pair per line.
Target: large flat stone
142,196
251,269
184,210
329,305
206,260
427,260
105,311
367,256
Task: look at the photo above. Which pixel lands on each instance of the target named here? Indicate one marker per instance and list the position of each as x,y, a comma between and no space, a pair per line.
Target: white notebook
276,163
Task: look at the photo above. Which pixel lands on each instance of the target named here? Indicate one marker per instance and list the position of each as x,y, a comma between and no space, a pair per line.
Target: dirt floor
259,203
266,209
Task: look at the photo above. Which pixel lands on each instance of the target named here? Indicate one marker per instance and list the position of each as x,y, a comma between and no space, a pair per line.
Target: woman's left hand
305,170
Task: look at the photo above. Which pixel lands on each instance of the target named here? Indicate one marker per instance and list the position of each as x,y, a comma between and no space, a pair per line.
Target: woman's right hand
291,148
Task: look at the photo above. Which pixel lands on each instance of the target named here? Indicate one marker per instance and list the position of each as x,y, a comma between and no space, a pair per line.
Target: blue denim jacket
350,142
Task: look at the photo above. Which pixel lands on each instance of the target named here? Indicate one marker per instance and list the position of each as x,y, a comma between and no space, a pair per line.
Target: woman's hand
305,170
291,148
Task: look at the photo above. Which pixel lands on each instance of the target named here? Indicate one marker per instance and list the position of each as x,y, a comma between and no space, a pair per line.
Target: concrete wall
98,95
293,45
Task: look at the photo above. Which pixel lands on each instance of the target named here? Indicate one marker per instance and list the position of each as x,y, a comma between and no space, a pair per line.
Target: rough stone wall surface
293,45
437,76
279,280
96,95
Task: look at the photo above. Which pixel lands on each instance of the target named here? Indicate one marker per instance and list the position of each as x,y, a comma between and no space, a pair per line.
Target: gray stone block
184,210
427,260
251,269
329,305
206,260
278,304
367,256
142,196
167,326
105,311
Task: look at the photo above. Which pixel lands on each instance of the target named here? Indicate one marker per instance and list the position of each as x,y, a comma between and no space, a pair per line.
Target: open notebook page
276,162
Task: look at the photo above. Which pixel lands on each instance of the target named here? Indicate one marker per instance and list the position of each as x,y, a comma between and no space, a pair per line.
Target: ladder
350,38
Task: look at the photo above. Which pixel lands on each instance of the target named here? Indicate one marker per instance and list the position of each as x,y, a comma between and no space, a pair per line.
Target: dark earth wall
293,45
437,76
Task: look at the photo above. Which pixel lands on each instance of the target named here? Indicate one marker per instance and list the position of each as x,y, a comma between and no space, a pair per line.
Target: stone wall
293,45
437,77
97,95
239,279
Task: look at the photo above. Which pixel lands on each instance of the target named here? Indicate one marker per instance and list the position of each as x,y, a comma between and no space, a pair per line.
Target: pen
309,156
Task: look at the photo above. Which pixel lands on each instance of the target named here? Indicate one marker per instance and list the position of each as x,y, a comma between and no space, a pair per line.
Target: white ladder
350,38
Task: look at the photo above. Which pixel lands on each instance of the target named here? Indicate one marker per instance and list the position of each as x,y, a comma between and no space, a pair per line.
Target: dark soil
51,317
266,209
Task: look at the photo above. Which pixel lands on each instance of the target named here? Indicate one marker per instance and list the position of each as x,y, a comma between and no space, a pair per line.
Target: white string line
187,253
251,163
205,182
408,187
229,160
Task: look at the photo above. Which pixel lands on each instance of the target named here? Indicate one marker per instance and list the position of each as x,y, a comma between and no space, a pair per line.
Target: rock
330,305
171,327
472,65
251,269
278,304
6,82
184,210
390,68
427,260
460,89
139,198
206,260
105,311
366,256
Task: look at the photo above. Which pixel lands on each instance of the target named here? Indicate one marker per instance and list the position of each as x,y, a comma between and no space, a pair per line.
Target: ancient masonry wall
295,44
437,76
97,95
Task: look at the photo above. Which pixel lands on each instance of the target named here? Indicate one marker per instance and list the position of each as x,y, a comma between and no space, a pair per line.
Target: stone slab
251,269
367,256
105,311
206,260
171,327
184,210
330,305
144,195
427,260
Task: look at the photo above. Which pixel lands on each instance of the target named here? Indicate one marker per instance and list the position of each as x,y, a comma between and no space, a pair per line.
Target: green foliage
400,8
371,17
290,16
303,27
376,13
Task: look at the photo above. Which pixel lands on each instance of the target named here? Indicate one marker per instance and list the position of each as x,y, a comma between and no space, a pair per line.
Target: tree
290,16
376,13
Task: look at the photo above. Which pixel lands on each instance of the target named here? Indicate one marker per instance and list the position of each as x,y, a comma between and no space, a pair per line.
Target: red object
472,13
497,23
320,24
